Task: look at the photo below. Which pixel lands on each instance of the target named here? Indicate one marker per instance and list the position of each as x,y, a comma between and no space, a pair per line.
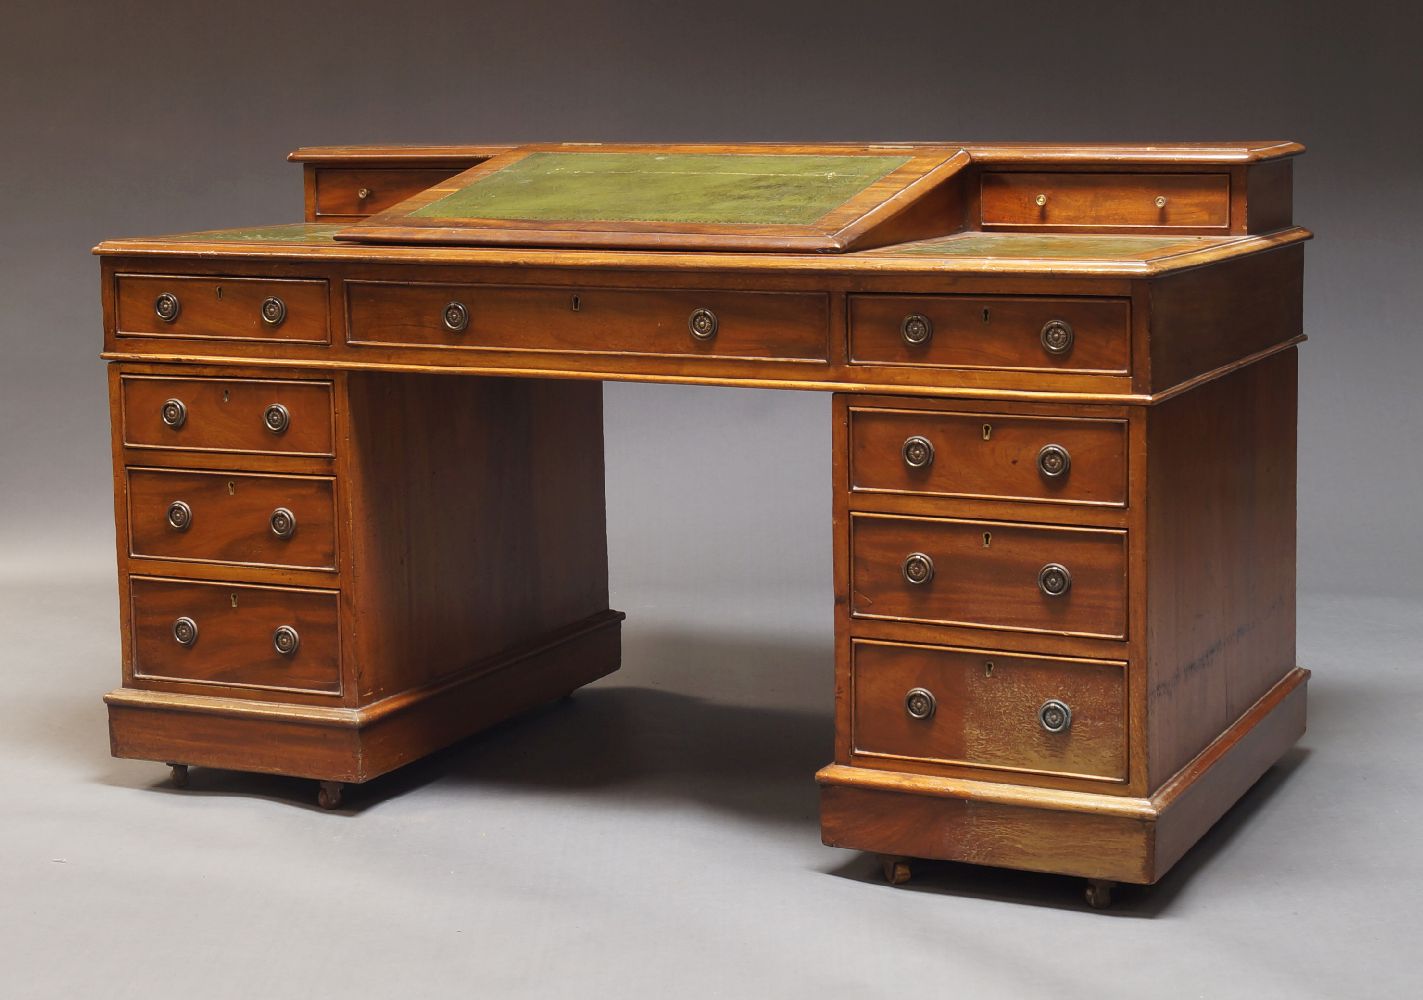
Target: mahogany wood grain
227,415
986,711
773,325
991,332
1220,536
1100,202
343,193
235,626
224,308
229,519
989,455
986,574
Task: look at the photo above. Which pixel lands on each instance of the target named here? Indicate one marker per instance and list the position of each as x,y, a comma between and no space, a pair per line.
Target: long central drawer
786,326
989,574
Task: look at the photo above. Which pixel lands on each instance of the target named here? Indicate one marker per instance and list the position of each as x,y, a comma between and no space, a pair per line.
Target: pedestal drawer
240,636
989,709
286,310
791,326
345,192
1032,333
990,574
227,517
255,416
993,455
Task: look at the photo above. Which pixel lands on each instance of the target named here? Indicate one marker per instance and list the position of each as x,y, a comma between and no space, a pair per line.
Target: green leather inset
295,232
724,188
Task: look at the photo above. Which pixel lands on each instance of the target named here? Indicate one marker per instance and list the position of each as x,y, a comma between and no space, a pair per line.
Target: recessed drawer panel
990,709
277,638
990,574
254,416
1011,200
221,308
346,192
224,517
790,326
1079,335
996,455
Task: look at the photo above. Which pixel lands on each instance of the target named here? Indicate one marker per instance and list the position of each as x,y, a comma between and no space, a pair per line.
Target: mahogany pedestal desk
358,469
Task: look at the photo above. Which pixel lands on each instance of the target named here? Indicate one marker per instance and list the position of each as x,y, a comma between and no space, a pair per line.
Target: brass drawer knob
277,418
1055,716
185,631
363,193
916,329
167,307
285,640
1053,461
919,703
918,568
1054,580
282,522
180,515
456,317
702,323
174,413
918,452
1057,337
274,311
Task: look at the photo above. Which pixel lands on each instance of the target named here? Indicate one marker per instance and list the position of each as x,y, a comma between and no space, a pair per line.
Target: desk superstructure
1064,465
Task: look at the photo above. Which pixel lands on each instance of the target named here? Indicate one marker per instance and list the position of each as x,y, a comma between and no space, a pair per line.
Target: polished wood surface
986,706
1101,385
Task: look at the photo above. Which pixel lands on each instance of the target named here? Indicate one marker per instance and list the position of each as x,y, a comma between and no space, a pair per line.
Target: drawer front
246,416
287,521
994,455
346,192
790,326
233,635
220,308
989,574
1090,336
1077,201
987,709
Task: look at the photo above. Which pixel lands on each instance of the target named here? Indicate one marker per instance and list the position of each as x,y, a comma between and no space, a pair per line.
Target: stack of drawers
983,550
228,537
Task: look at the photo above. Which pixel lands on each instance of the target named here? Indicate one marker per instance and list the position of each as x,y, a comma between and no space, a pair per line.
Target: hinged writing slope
830,199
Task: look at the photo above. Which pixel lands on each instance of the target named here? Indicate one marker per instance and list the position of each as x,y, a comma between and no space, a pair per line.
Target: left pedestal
331,574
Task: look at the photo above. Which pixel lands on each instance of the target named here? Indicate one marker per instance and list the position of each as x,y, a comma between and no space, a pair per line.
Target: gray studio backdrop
134,118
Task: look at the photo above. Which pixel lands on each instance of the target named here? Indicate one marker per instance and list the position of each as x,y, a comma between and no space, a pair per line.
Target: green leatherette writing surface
713,188
1044,246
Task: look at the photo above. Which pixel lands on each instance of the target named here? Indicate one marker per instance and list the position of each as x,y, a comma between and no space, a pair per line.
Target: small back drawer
793,326
283,310
227,634
253,416
981,708
990,574
1077,201
1030,333
346,192
227,517
1000,456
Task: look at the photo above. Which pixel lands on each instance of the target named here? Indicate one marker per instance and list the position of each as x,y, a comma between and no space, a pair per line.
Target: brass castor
328,794
1099,893
896,869
179,776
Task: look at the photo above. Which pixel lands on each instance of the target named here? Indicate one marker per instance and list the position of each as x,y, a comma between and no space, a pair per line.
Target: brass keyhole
987,431
987,539
226,396
987,668
233,597
231,488
576,303
219,291
985,315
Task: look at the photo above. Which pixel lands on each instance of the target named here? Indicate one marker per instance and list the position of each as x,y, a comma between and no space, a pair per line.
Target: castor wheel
179,776
1099,893
328,794
896,869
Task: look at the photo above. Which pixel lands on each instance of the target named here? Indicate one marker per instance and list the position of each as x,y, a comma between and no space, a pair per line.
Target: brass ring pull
180,516
174,413
277,418
1054,580
1055,716
919,703
185,631
1054,462
456,317
167,307
285,640
916,329
918,568
274,311
1057,337
918,452
282,522
703,324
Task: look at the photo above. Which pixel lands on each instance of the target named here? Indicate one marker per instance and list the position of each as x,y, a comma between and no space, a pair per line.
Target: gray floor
657,837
